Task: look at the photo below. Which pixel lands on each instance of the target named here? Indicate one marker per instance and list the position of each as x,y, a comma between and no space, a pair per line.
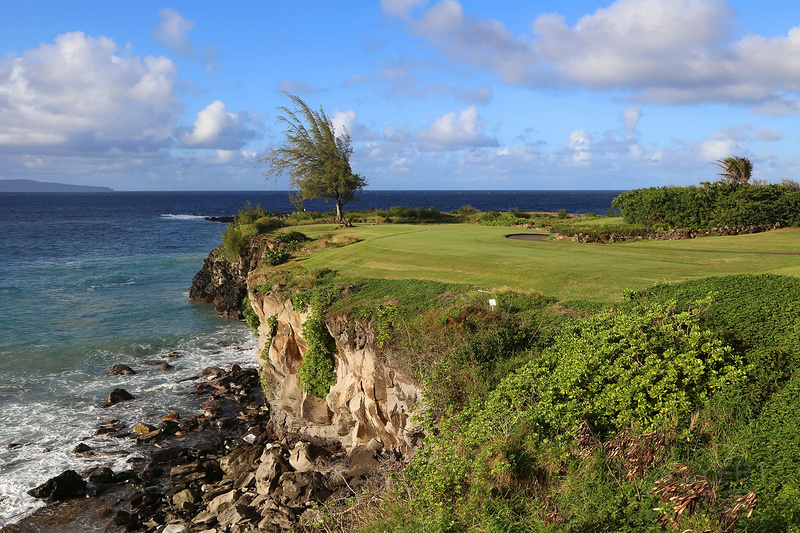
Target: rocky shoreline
229,469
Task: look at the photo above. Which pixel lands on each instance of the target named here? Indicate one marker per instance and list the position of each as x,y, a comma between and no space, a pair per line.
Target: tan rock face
370,403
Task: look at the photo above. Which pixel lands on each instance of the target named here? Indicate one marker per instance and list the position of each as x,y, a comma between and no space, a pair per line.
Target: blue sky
439,94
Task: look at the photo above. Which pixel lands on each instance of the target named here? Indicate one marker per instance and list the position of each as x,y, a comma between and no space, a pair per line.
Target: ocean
90,280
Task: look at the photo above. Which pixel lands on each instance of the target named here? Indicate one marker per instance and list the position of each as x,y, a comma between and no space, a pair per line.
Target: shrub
711,205
250,315
234,243
277,256
399,214
499,218
515,456
248,214
267,224
292,239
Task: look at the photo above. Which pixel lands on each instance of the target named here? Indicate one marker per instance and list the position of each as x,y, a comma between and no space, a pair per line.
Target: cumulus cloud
343,120
676,52
80,94
631,117
455,132
173,31
216,128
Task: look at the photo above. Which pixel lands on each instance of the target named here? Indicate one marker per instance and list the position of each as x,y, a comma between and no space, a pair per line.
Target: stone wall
666,235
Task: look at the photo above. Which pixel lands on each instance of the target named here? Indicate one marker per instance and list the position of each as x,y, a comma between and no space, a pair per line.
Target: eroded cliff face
224,282
371,403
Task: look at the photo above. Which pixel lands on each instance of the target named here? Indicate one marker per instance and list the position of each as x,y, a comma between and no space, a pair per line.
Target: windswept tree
735,169
315,158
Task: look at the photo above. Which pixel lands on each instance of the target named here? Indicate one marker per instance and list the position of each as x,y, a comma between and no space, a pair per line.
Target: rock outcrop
370,405
223,283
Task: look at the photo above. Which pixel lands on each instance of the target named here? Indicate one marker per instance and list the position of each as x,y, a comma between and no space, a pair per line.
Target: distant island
43,186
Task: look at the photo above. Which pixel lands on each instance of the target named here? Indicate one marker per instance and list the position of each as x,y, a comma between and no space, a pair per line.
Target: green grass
483,257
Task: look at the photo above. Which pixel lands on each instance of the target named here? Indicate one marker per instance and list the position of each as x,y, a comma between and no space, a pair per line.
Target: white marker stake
492,303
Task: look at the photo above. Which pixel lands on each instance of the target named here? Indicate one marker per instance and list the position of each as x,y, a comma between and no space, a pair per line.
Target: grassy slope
481,256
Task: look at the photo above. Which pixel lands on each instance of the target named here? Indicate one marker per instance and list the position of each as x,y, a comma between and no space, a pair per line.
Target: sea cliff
370,404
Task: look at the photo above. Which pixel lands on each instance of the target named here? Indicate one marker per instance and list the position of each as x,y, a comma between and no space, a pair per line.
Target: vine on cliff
317,373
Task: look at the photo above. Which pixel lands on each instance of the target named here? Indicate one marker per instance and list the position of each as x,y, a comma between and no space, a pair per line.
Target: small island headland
25,185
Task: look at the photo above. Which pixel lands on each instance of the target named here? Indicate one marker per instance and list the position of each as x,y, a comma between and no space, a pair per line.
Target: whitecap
183,217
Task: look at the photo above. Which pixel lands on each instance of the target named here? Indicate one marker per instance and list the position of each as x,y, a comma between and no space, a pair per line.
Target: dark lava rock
62,487
101,474
82,449
121,370
117,396
165,455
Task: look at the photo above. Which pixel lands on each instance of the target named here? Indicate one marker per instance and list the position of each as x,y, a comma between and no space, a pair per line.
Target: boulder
240,460
101,474
272,466
362,461
82,449
121,370
117,396
304,456
185,498
62,487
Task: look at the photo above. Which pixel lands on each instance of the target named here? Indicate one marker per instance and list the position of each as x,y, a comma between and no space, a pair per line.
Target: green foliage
382,322
250,315
316,159
317,372
291,239
712,205
510,462
234,243
300,218
277,256
407,215
500,218
646,370
562,214
248,214
735,169
267,224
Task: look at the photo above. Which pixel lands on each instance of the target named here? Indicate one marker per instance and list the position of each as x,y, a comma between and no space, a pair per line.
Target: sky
439,94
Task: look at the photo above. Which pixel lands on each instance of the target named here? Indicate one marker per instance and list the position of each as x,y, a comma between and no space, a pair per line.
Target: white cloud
630,117
401,8
676,52
455,132
173,31
343,121
580,146
79,93
216,128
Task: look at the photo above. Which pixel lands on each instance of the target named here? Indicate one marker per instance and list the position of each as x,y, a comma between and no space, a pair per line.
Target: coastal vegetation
630,387
568,387
315,157
722,203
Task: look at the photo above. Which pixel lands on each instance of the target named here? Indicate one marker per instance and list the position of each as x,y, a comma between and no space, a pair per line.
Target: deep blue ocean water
89,280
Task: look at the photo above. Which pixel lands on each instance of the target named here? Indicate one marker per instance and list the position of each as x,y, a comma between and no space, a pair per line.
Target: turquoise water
91,280
86,282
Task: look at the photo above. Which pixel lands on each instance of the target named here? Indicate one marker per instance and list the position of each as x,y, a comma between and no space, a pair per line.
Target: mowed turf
482,256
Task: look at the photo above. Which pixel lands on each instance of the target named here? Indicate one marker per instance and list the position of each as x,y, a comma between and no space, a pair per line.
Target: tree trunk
339,213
